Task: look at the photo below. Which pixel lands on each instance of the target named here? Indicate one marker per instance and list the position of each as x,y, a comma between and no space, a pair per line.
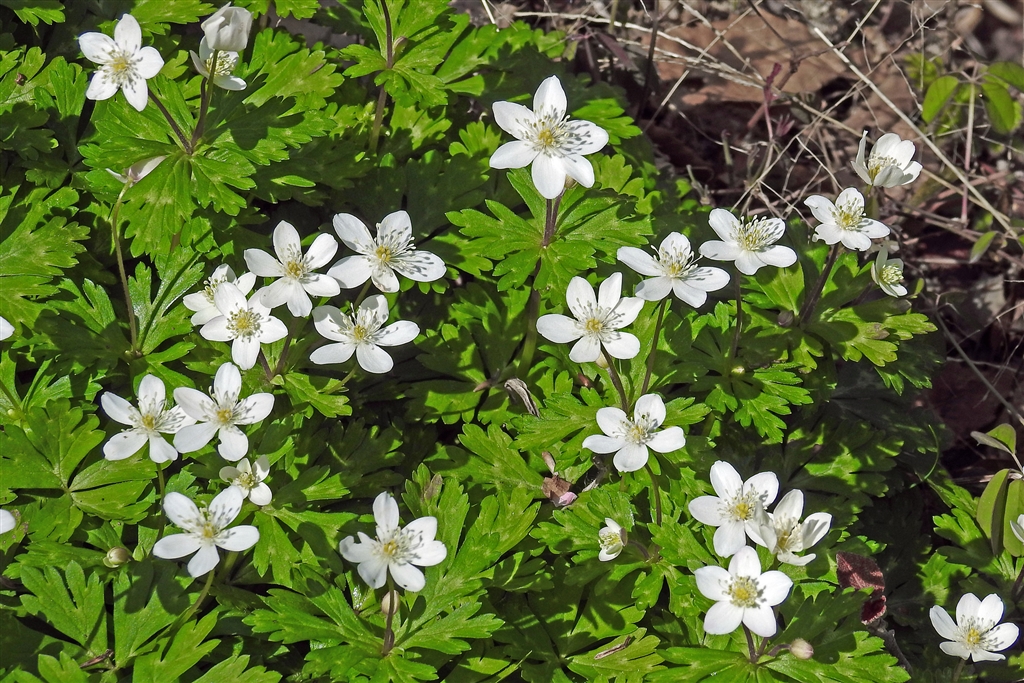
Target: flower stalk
185,143
115,237
657,493
382,98
205,95
662,307
812,301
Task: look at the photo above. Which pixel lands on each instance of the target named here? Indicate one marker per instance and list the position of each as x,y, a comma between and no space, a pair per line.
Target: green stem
617,382
389,632
382,98
14,402
362,294
812,301
279,368
115,237
262,358
199,600
533,304
160,496
958,670
750,644
657,493
185,144
205,95
662,307
739,321
346,378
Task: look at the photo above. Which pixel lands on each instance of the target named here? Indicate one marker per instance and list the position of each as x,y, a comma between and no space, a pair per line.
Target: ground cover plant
412,352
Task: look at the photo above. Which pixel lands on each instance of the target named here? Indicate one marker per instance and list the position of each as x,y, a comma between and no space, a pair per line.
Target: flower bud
138,170
116,557
801,649
228,29
389,603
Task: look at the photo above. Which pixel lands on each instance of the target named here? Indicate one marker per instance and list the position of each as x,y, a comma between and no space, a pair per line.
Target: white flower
378,259
220,414
674,270
612,538
598,321
124,63
743,595
736,508
147,423
395,549
975,634
206,530
294,271
1018,528
888,274
228,29
750,243
138,170
203,303
785,535
7,521
845,221
6,329
249,481
248,323
361,334
891,162
630,439
222,70
546,138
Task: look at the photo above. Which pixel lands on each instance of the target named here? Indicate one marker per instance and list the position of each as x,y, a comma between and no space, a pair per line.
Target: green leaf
1003,437
982,244
236,669
1004,112
170,11
35,11
319,392
75,608
937,95
38,243
992,509
146,599
630,658
447,634
1010,72
58,436
285,69
159,319
187,647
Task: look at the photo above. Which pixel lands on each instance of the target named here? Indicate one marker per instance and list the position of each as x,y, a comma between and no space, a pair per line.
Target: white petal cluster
246,324
203,303
888,274
546,138
845,221
612,538
782,532
124,63
362,333
7,521
976,634
742,595
222,69
630,439
228,28
674,270
737,507
749,243
395,549
378,259
205,529
891,162
138,170
1017,527
296,279
220,414
598,319
249,479
148,422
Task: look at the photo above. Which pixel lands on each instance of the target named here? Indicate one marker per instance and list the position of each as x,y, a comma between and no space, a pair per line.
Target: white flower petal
631,457
176,545
385,513
239,538
760,620
599,443
96,47
374,359
515,154
548,176
333,353
729,538
203,561
408,577
514,119
620,345
712,582
124,445
723,617
707,510
549,100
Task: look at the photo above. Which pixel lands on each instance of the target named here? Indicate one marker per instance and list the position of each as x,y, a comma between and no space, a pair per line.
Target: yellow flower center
754,235
744,592
384,253
593,326
877,164
224,416
891,275
848,216
148,421
389,549
244,323
121,67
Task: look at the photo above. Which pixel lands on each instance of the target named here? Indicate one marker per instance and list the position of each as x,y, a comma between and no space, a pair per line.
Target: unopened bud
786,318
739,370
389,603
602,362
116,557
801,649
228,29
